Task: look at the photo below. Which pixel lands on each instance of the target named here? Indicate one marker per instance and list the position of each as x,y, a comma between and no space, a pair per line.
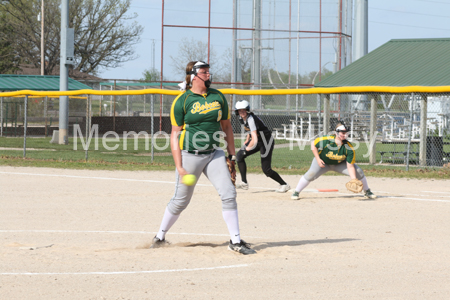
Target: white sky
388,19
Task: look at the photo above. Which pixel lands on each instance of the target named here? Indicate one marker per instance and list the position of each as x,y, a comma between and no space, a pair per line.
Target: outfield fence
407,126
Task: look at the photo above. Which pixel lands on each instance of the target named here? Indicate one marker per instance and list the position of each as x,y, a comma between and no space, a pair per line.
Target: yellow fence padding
335,90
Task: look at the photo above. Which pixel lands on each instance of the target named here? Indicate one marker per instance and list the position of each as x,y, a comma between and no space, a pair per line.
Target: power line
411,13
433,1
182,10
409,26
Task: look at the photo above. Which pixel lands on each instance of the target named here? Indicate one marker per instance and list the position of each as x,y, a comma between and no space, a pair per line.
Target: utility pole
42,38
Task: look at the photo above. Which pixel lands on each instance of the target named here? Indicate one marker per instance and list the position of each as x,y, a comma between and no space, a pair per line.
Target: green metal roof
139,83
400,62
37,83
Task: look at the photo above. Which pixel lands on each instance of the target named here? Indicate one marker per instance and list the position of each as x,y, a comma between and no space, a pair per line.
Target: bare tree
245,62
192,50
104,38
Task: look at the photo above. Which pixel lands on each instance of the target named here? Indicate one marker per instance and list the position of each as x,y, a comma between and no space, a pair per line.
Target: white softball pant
315,171
215,168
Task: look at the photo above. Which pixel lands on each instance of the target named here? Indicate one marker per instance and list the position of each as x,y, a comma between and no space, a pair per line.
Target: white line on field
101,178
401,197
99,231
434,192
417,199
172,182
112,178
447,196
427,195
117,232
126,272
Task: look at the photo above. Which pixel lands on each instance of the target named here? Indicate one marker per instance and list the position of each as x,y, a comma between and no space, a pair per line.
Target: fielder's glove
231,163
354,185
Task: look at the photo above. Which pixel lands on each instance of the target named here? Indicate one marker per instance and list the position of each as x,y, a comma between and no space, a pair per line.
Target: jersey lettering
333,154
337,157
199,113
205,108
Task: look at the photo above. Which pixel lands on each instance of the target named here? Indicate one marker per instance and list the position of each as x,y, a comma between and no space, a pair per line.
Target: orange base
327,190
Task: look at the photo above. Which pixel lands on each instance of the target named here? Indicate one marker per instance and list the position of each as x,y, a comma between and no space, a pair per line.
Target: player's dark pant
266,160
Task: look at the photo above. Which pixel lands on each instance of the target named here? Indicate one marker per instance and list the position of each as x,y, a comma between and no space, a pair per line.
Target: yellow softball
189,179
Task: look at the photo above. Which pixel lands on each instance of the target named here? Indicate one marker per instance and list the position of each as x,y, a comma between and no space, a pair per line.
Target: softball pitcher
197,117
333,153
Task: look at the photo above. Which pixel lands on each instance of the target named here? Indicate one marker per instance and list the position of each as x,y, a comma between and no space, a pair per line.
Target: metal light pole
66,58
361,39
256,59
234,47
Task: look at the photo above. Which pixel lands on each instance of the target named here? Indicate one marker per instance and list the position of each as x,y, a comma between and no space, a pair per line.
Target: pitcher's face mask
196,70
342,131
342,128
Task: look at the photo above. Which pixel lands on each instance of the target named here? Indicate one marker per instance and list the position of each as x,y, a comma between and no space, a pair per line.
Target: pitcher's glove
231,163
354,185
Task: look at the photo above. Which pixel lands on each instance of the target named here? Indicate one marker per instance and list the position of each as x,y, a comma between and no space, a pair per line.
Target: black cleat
157,243
241,247
369,195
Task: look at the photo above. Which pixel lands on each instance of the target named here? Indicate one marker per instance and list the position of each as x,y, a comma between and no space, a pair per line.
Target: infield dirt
75,234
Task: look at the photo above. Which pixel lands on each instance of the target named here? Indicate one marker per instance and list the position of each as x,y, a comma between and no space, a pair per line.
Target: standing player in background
333,153
259,139
197,117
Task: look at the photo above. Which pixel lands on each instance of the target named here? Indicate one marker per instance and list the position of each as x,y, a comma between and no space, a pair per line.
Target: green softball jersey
331,153
200,116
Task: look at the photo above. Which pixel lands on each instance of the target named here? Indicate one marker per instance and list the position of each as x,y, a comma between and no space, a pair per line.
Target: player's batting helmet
242,104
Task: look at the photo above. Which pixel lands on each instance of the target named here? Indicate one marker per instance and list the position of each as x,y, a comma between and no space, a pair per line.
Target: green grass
293,161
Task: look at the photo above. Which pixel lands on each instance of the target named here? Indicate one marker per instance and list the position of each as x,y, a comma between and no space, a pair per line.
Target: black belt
197,152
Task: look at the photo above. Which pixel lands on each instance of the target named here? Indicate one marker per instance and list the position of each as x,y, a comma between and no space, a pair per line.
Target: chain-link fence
390,129
41,115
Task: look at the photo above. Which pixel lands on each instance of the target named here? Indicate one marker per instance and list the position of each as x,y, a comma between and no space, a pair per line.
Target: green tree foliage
151,74
102,37
9,60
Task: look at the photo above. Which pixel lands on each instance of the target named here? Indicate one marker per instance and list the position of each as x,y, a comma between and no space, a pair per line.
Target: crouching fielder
333,153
